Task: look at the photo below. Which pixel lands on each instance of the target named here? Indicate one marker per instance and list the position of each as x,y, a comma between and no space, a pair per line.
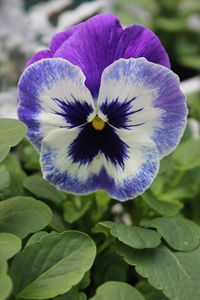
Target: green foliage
43,189
23,215
175,273
180,233
165,207
73,294
15,188
5,178
55,263
4,150
10,244
114,290
187,155
55,258
135,237
76,207
5,281
149,292
11,132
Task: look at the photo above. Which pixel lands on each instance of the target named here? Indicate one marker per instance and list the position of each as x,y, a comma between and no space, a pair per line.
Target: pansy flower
102,107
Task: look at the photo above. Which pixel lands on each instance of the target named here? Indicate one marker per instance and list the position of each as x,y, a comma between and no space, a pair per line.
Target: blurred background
26,26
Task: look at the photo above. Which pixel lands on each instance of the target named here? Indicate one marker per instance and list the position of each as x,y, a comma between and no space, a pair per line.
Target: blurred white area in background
30,30
83,11
14,24
194,22
191,85
8,103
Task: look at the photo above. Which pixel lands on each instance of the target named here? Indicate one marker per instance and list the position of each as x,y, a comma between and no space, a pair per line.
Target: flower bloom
102,107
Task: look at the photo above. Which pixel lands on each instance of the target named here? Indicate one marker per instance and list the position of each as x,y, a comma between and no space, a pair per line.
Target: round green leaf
149,292
10,244
82,296
102,197
115,290
74,209
5,281
5,178
4,150
17,175
132,236
180,233
11,132
187,155
52,265
42,188
162,206
36,237
177,274
23,215
73,294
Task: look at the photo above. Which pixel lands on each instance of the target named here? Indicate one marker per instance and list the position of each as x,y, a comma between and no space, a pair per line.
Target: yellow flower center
98,123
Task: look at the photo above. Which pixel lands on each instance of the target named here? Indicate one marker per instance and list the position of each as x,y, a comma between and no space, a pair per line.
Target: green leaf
175,273
36,237
191,61
180,233
158,184
110,266
17,175
166,165
5,281
102,197
163,207
11,132
177,192
31,158
187,155
55,264
23,215
149,292
5,178
4,150
10,244
82,296
171,24
43,189
76,208
83,284
115,290
73,294
133,236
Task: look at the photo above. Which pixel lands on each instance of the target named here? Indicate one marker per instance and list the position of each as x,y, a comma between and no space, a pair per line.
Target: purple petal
38,56
59,38
101,40
139,41
145,98
52,95
122,181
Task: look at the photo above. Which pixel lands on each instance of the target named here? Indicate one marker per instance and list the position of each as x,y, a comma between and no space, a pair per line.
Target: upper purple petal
38,56
56,41
101,40
98,42
59,38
